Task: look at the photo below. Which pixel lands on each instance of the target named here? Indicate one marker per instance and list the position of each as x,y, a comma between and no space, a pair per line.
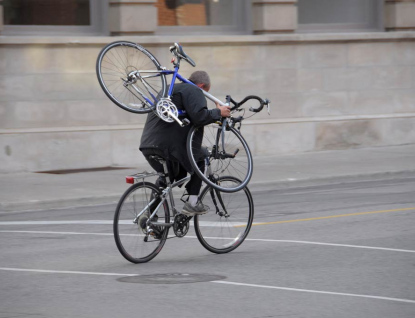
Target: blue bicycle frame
175,75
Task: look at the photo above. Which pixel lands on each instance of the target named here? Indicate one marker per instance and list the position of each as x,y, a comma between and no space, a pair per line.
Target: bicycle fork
218,150
223,213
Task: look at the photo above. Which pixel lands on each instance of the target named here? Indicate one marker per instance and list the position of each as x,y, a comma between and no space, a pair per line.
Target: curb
36,205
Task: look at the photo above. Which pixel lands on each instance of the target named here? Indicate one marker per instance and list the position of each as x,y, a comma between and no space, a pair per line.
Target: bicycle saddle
157,158
173,167
177,50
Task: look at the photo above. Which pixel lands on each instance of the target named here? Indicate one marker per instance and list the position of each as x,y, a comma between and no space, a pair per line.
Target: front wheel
225,153
229,219
130,227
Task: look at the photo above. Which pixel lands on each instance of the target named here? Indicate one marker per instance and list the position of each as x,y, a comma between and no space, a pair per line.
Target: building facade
340,74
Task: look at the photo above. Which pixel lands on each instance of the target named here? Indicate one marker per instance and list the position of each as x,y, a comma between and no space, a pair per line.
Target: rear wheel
130,76
130,230
229,219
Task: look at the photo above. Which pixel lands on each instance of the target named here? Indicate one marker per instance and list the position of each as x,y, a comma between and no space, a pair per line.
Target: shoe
199,209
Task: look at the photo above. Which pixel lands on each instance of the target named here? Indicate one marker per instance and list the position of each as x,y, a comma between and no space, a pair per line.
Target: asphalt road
325,251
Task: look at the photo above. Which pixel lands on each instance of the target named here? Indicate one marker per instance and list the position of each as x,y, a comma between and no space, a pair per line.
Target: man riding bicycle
168,140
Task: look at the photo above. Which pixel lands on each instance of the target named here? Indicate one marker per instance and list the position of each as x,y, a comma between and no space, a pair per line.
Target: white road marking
334,244
217,282
105,222
226,238
101,222
315,291
62,233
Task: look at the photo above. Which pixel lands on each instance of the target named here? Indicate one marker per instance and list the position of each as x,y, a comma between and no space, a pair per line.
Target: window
49,17
339,15
202,16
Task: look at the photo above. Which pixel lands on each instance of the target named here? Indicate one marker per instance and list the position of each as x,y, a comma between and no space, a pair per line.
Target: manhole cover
174,278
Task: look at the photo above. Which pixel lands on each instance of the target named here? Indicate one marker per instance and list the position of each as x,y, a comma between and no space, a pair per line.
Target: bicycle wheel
130,234
129,76
229,219
224,155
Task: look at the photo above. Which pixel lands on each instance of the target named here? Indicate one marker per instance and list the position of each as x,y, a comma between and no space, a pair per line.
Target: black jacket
170,138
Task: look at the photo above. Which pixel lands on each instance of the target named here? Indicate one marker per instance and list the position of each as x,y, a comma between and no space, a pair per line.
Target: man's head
201,79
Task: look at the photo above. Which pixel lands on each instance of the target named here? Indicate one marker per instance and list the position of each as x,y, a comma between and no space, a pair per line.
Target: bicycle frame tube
185,80
176,74
209,96
163,198
148,90
167,193
213,98
146,208
173,80
142,95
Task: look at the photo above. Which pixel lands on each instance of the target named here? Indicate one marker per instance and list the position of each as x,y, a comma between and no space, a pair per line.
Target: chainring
181,225
164,108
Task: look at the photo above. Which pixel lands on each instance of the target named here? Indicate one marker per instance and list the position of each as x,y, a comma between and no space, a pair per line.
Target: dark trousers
175,171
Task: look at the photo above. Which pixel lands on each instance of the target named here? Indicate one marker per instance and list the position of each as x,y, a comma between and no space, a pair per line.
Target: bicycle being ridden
133,79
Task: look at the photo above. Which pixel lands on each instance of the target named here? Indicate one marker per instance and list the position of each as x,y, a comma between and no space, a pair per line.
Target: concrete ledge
215,40
248,122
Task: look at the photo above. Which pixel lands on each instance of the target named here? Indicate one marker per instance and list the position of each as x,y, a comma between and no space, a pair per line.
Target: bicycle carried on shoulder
135,81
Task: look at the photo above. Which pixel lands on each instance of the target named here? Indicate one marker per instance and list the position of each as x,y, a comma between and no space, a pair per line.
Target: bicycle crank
181,224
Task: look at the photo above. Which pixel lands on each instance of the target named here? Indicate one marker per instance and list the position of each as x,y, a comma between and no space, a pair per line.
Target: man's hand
225,111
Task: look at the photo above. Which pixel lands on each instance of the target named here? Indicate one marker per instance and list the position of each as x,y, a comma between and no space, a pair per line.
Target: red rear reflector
129,180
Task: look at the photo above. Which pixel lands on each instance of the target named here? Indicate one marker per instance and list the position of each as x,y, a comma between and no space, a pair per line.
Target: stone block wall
127,17
274,16
399,15
327,92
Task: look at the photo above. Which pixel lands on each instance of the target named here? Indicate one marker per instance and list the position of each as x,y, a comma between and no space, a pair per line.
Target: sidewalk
32,191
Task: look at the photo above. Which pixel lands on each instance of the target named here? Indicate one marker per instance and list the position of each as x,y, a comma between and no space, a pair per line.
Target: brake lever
267,102
264,102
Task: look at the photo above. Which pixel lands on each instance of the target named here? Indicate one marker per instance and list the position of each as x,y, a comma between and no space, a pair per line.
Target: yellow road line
334,216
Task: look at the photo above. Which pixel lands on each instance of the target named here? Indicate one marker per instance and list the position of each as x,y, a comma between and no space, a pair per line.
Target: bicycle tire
129,236
114,67
209,138
220,234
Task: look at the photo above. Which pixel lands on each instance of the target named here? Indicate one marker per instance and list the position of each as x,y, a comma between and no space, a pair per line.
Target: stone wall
399,15
328,91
